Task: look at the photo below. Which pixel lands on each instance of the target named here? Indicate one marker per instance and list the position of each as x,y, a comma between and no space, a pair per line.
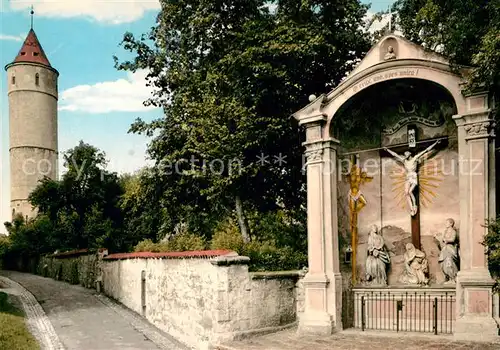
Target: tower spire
32,12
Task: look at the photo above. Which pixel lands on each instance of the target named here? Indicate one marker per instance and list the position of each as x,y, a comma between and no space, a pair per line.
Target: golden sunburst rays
430,176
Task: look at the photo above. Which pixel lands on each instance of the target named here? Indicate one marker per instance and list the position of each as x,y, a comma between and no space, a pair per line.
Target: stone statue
390,55
416,267
411,167
357,200
378,258
448,258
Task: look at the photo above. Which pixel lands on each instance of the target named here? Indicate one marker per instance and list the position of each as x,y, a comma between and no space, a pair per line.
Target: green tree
466,31
144,217
27,240
83,207
228,75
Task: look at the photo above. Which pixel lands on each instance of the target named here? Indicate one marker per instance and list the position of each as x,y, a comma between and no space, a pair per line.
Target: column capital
315,149
477,125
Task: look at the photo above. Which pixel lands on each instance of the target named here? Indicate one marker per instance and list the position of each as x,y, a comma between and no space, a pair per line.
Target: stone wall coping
230,259
198,254
274,275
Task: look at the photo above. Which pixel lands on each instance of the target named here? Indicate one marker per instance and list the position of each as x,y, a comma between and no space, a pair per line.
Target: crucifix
410,163
357,201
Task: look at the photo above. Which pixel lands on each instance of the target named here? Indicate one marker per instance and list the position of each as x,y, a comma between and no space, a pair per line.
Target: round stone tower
32,92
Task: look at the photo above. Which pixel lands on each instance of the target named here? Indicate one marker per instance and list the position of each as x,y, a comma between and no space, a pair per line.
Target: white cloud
122,95
104,11
11,37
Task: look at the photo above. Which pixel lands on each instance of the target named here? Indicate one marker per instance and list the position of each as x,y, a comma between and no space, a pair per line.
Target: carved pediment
393,47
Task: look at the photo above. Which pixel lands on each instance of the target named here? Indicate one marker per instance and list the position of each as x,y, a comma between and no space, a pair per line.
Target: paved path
84,320
36,320
353,340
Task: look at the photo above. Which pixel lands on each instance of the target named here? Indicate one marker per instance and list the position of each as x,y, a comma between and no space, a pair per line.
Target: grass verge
13,331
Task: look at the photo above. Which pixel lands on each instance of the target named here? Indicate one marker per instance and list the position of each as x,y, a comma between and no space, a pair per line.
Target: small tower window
37,79
35,53
13,79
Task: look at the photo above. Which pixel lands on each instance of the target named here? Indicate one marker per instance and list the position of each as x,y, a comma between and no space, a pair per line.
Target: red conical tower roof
32,51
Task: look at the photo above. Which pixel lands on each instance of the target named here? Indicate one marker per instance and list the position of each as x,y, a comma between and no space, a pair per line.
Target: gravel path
84,320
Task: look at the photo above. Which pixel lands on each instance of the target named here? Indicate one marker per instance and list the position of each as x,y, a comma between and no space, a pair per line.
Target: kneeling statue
416,267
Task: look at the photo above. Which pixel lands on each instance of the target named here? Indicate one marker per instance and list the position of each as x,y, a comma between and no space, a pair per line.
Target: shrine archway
467,120
364,125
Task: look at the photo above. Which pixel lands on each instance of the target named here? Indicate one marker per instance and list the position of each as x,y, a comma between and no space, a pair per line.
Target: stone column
477,204
323,282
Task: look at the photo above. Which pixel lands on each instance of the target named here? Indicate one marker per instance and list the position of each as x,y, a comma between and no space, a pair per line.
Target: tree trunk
241,220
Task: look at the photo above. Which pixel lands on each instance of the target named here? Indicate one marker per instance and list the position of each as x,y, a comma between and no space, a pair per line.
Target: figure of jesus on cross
410,165
357,201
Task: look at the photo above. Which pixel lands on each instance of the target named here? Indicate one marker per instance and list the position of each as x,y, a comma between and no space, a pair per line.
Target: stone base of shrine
476,328
477,307
322,304
316,323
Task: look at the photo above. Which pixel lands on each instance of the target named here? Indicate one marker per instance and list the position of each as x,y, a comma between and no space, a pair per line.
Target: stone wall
270,295
202,298
75,267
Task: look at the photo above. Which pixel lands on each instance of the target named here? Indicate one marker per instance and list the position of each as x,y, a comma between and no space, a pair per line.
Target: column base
476,328
475,307
316,323
322,304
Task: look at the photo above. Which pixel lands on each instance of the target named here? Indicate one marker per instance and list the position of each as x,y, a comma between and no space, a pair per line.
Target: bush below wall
75,267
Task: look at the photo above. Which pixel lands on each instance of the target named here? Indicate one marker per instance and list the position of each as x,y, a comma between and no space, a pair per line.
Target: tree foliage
81,210
466,31
83,206
228,75
492,243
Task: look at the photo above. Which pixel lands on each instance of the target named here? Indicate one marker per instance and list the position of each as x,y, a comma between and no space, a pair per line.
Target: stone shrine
416,150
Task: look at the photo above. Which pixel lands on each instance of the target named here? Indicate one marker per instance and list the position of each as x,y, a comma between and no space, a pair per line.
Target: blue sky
97,103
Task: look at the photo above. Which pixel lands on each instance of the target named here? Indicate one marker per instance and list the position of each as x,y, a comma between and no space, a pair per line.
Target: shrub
148,245
186,242
179,243
265,253
228,236
74,277
492,242
285,229
4,247
266,256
